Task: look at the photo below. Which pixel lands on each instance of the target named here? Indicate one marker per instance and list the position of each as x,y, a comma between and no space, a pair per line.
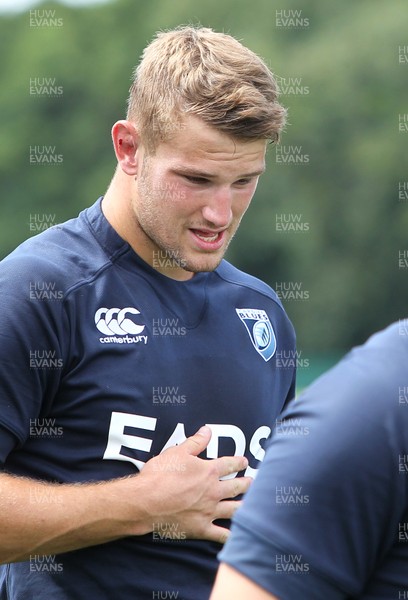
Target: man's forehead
197,141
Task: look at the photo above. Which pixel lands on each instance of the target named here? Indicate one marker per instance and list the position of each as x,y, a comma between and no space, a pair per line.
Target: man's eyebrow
193,172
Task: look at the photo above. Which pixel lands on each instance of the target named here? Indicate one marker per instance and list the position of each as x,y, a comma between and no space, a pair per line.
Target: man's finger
230,488
226,509
217,534
198,442
227,465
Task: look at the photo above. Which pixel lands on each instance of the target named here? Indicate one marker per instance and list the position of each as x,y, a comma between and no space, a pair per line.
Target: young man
151,336
327,517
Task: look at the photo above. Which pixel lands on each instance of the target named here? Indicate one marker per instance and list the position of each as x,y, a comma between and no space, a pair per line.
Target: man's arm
45,518
230,583
328,504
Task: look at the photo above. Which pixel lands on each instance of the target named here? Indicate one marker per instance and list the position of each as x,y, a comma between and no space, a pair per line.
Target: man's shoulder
382,358
230,274
63,255
369,382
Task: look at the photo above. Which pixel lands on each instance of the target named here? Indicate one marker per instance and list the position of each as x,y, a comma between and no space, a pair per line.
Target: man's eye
197,180
243,181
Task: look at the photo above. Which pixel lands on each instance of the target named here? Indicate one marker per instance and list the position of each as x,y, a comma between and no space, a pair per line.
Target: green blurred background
327,227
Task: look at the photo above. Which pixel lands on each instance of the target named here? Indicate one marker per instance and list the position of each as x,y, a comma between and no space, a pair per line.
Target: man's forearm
42,518
230,583
176,488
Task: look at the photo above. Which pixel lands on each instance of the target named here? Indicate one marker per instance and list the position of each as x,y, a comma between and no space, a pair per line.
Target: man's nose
218,209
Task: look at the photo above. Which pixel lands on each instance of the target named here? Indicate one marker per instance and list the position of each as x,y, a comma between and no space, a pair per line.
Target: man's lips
208,240
208,236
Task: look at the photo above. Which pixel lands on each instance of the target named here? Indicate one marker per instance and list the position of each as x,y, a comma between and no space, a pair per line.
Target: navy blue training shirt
104,363
327,517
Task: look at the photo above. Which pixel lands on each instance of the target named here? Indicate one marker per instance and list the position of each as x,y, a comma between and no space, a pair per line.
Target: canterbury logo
115,321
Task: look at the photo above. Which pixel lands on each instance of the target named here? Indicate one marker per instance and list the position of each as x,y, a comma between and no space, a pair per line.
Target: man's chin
203,266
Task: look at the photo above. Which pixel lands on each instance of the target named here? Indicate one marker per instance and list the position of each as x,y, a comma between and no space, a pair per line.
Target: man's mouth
208,240
206,236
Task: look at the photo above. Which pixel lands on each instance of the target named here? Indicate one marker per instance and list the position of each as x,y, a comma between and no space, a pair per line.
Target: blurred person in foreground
327,517
148,336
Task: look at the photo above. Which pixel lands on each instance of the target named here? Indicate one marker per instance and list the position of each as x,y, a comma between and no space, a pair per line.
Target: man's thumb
198,442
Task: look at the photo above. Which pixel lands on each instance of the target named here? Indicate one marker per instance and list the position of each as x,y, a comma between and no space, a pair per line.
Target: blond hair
196,71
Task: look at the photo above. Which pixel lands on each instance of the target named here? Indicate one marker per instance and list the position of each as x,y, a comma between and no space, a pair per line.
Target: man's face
191,195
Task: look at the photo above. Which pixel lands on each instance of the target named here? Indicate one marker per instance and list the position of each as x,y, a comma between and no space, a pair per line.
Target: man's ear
126,141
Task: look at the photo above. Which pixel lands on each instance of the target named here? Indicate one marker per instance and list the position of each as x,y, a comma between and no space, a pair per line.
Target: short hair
197,71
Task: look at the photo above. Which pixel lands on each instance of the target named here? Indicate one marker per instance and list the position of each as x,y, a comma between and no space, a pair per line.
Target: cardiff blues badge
260,330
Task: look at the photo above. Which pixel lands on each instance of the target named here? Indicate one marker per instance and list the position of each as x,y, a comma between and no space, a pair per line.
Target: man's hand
184,494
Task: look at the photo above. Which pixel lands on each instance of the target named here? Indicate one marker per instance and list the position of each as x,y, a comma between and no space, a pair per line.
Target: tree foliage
343,72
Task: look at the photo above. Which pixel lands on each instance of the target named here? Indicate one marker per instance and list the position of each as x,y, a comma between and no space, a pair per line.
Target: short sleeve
329,495
31,357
